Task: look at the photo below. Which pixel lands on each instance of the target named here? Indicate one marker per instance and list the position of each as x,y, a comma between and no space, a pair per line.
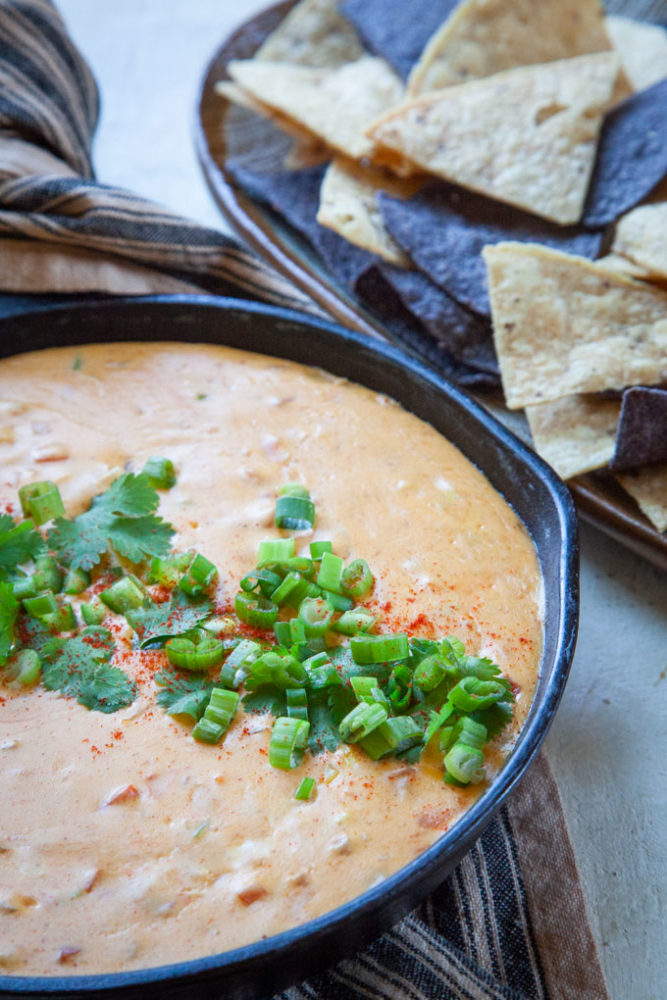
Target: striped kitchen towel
510,923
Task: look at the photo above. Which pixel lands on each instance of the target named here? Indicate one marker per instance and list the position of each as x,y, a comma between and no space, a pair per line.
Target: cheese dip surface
124,843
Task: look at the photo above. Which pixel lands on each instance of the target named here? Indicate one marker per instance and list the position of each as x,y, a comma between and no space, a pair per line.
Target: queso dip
126,844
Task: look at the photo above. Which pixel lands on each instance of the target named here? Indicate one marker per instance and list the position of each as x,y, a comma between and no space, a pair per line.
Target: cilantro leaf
139,537
175,617
323,733
79,668
18,542
266,700
9,612
122,517
183,694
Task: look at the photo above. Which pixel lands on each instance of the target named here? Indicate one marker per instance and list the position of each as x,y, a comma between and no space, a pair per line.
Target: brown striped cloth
510,923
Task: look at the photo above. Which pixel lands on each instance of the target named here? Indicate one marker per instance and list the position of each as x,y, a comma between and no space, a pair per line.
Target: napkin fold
510,923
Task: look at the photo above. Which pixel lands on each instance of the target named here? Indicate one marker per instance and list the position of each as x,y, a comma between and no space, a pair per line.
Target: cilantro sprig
122,518
79,668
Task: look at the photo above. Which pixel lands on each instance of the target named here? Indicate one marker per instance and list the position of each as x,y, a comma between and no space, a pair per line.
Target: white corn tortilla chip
621,265
306,151
314,33
575,434
563,325
642,48
641,235
348,205
483,37
648,488
527,137
337,105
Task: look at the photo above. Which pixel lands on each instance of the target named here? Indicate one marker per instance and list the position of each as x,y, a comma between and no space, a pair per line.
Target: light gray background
608,744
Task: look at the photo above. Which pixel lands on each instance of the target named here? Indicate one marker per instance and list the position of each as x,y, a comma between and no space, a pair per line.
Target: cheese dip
126,844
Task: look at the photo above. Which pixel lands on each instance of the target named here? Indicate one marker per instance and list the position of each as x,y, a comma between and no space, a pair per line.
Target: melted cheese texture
123,842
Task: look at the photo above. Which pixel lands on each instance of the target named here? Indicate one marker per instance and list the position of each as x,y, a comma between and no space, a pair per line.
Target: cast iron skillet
534,491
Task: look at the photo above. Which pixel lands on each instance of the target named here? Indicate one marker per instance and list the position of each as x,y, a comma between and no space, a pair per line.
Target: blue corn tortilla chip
632,155
641,438
397,30
444,229
465,335
294,195
378,290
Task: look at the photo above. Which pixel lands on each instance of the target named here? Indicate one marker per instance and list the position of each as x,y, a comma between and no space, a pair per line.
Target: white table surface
608,744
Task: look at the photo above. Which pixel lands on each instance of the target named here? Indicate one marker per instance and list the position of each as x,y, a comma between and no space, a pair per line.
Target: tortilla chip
397,30
336,105
378,289
642,48
632,156
641,235
348,205
563,326
444,229
483,37
313,34
642,431
648,488
574,434
621,265
526,137
465,335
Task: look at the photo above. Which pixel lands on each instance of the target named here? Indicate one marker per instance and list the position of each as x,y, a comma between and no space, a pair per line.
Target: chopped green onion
194,652
331,571
361,721
24,586
43,604
290,591
237,664
305,789
399,687
297,703
352,622
430,672
363,687
318,660
47,575
473,734
125,595
283,633
199,577
61,620
396,735
323,677
275,550
76,581
161,473
379,648
473,695
207,731
302,564
94,612
465,764
256,610
316,615
282,671
317,549
437,721
24,667
41,501
219,713
294,513
337,601
288,741
357,579
294,490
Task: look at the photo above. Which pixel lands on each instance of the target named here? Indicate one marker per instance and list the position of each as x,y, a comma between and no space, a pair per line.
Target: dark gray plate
529,485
